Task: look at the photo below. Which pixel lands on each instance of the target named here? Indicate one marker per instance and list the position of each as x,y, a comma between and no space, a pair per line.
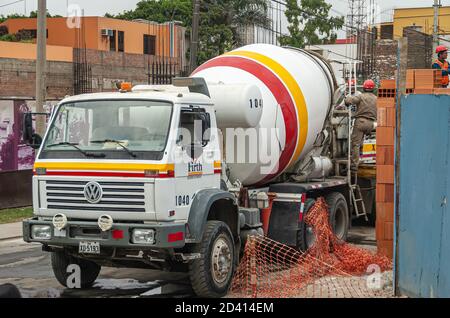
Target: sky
100,7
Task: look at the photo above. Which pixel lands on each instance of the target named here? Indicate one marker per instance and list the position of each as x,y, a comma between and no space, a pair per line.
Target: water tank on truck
284,94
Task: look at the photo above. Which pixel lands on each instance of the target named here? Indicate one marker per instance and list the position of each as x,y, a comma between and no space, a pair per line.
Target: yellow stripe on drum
294,89
102,166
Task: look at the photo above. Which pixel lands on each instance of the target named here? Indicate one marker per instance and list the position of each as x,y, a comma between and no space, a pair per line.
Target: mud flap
284,221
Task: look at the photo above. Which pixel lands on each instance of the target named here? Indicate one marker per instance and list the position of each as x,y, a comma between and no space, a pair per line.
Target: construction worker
365,118
441,63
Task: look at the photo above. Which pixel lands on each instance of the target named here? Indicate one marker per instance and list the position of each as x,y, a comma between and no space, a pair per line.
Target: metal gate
423,224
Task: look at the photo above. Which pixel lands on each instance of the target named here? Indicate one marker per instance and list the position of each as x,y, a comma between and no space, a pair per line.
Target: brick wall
386,58
419,53
385,176
18,76
420,48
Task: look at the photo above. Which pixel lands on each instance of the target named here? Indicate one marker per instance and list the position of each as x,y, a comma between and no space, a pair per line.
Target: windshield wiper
131,153
75,145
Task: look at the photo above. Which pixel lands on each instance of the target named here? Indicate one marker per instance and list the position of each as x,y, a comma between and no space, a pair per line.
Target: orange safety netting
330,268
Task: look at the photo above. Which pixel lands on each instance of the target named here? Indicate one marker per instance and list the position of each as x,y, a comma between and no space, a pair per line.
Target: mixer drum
296,89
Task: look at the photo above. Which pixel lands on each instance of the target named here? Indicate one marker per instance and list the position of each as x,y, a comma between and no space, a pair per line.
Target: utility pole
194,38
402,65
41,65
436,6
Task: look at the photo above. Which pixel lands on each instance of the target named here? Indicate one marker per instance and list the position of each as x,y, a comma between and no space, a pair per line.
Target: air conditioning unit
107,32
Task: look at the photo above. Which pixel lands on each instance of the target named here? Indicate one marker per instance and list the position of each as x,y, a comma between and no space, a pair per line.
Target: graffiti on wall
14,153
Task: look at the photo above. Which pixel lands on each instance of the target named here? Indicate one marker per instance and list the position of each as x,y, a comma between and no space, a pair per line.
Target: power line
335,53
321,16
279,2
11,3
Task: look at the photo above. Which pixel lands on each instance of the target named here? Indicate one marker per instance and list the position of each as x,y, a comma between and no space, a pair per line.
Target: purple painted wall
15,155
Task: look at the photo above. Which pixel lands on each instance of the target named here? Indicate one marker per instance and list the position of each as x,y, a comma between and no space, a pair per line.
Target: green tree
33,14
159,11
21,36
219,20
242,13
3,18
310,23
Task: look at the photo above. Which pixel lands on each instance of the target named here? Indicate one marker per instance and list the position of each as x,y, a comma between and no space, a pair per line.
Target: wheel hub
221,260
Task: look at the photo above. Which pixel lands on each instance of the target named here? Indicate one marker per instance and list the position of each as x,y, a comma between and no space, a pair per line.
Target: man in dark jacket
365,118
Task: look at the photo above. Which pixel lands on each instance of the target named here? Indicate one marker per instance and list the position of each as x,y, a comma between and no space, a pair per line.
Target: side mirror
36,141
33,140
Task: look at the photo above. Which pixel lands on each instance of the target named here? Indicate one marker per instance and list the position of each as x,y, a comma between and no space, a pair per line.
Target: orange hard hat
369,85
441,48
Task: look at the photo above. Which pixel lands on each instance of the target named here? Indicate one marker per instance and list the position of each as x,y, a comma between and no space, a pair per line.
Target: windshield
119,126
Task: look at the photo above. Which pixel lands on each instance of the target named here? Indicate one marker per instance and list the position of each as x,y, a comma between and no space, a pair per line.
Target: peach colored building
27,51
106,34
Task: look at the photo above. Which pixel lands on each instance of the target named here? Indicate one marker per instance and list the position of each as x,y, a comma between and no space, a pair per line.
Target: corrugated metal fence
423,224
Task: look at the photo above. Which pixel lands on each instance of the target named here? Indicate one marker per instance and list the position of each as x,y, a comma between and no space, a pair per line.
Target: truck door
194,162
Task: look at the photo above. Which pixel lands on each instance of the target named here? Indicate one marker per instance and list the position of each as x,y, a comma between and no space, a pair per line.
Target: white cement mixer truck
176,177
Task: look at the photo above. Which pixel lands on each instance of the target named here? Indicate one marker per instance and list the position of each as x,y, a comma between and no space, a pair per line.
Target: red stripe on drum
281,94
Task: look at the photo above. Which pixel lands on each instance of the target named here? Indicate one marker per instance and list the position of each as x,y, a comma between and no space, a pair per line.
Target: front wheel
88,270
211,275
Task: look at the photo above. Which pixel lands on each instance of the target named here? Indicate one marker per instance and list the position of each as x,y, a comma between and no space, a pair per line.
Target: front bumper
73,234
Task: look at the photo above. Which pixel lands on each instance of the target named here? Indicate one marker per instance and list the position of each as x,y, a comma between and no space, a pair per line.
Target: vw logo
93,192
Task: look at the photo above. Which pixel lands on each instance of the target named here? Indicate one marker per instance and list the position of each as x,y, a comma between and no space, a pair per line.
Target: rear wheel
373,216
211,275
338,214
88,270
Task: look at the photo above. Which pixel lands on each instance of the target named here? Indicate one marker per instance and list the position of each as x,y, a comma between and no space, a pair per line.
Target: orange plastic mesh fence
330,268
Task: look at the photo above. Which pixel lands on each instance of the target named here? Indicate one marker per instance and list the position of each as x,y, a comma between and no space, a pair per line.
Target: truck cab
133,179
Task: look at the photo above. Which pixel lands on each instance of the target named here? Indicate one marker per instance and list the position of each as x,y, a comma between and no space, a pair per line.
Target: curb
10,238
11,233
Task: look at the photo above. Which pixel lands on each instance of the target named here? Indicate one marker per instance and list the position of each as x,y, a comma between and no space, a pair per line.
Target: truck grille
117,196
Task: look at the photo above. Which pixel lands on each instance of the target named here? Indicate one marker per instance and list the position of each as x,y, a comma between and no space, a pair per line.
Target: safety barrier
330,268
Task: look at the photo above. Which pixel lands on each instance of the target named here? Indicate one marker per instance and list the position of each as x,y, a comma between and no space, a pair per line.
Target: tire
205,281
89,270
305,234
373,216
339,215
9,291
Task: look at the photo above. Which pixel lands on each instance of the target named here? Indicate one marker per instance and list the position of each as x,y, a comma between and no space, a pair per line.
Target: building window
149,44
29,33
121,41
112,41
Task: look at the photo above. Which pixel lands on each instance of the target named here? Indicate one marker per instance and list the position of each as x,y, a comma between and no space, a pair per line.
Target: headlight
41,232
141,236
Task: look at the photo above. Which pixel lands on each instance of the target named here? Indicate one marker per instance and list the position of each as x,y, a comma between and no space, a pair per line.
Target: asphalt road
28,267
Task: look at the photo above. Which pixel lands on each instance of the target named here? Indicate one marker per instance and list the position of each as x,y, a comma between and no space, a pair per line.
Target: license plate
89,248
